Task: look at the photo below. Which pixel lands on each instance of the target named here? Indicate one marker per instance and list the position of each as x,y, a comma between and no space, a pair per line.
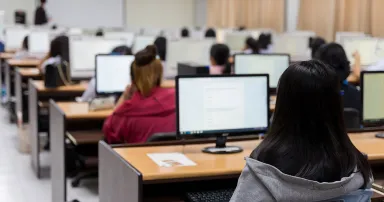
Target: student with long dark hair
333,54
307,154
41,17
210,33
315,43
23,53
58,52
220,54
265,43
184,33
251,46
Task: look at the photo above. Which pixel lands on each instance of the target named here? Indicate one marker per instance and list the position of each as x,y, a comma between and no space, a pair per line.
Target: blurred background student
184,33
265,43
161,46
210,33
220,54
58,52
41,17
251,46
23,52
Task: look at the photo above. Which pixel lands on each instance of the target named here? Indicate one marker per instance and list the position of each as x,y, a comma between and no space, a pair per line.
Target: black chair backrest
351,118
161,137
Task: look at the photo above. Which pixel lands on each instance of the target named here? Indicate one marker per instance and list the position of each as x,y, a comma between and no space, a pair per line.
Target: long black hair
252,44
265,40
334,55
315,43
60,47
307,137
210,33
220,54
161,46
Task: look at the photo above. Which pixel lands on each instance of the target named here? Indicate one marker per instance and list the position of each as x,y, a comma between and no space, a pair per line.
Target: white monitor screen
128,36
187,50
273,65
292,44
14,38
39,42
236,40
83,51
141,42
113,73
209,104
365,46
373,96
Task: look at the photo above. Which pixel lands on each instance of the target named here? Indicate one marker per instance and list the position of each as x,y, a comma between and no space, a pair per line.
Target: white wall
160,13
10,6
201,13
292,14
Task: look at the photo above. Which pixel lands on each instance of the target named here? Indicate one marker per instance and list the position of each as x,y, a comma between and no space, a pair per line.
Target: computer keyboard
211,196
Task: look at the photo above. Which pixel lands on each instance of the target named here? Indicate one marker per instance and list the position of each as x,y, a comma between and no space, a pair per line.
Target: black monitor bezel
96,83
177,78
269,54
379,122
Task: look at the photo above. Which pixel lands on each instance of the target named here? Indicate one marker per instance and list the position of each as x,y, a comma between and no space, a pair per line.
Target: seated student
307,154
220,54
99,33
265,43
334,55
161,46
184,33
210,33
251,46
242,28
58,52
90,93
145,108
314,44
23,53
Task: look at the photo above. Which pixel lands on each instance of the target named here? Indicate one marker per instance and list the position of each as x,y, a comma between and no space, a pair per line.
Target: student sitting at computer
251,46
144,108
265,43
315,43
58,52
184,33
161,46
334,55
99,33
307,154
23,53
210,33
90,93
220,54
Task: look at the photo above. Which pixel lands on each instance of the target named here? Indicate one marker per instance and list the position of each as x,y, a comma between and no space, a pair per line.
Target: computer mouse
379,135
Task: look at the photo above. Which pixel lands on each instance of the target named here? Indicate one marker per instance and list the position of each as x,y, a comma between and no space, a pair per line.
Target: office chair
351,118
161,137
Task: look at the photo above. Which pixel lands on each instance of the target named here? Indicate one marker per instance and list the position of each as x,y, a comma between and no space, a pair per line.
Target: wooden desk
38,93
131,168
6,56
21,90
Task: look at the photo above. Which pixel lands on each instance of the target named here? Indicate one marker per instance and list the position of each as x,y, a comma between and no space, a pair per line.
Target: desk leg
1,78
57,142
118,180
33,128
7,83
19,97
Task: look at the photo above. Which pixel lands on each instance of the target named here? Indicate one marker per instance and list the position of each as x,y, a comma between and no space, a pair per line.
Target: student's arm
41,64
127,95
90,93
356,68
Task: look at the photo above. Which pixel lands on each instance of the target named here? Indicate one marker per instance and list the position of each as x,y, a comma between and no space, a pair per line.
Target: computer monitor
236,40
372,92
127,36
365,46
39,42
221,105
294,44
272,64
113,73
14,38
187,50
82,53
141,42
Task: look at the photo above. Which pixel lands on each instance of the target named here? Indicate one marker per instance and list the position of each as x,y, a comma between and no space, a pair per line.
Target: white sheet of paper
171,159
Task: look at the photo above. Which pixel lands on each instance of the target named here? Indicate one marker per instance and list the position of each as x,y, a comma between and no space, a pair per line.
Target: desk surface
24,62
6,55
209,164
80,110
29,72
39,85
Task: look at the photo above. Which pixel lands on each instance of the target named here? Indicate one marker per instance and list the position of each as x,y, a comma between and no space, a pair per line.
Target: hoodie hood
263,182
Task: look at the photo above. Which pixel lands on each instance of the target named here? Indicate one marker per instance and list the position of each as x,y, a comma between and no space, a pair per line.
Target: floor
17,181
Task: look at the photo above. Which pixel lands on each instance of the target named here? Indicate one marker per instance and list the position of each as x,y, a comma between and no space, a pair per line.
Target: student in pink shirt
220,54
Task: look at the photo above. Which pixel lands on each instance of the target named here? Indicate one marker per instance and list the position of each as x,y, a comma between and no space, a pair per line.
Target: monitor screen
113,73
208,104
273,64
39,42
365,46
14,38
236,40
141,42
372,87
294,44
83,51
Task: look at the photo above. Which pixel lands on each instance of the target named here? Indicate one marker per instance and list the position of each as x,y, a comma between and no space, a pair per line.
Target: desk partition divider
33,128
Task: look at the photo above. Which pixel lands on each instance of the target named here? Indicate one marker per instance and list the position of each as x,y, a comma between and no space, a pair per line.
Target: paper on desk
171,159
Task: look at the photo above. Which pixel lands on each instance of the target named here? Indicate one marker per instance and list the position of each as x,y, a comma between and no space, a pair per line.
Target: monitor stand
221,147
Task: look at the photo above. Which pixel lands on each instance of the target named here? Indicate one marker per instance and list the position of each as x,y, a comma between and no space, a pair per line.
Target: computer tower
190,68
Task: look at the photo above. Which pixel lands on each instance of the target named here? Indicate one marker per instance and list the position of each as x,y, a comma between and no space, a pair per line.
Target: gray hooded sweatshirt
263,182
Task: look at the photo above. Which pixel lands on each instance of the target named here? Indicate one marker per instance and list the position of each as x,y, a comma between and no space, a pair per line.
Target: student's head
220,54
242,28
210,33
99,32
54,27
161,45
333,54
265,40
315,43
122,50
60,47
25,43
184,33
307,137
251,43
147,71
43,2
